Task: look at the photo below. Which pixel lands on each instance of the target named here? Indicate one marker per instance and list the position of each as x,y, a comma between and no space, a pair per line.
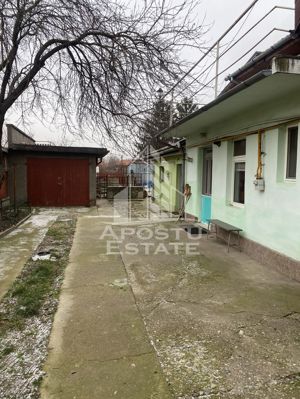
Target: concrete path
17,247
99,347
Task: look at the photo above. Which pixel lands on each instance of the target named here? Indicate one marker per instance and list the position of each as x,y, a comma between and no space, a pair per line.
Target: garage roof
38,148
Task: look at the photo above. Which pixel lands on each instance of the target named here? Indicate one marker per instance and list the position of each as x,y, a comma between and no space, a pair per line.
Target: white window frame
288,179
237,159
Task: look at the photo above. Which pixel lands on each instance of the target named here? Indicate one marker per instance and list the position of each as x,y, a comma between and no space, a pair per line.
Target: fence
120,180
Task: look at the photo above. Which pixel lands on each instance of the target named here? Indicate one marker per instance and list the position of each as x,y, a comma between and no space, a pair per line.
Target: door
206,185
179,187
58,182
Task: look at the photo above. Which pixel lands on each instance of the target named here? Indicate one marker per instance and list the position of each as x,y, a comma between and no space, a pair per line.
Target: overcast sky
220,14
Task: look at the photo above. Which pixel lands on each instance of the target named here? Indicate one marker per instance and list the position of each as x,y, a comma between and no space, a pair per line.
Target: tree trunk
1,151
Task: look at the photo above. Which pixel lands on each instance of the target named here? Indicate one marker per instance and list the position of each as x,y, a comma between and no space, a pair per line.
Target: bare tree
155,121
92,63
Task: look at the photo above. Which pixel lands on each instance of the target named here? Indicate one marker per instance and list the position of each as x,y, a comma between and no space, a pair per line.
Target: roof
51,149
20,131
261,75
169,150
248,95
289,46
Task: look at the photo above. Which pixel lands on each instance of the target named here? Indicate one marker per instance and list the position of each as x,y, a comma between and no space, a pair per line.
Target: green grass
30,292
36,283
6,351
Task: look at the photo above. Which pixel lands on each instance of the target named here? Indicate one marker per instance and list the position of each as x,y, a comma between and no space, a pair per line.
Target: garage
58,182
49,175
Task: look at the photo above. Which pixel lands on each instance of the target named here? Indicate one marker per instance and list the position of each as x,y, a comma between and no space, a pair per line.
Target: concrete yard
213,325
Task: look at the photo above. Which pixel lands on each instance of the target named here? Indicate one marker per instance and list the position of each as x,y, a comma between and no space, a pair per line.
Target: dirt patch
11,217
27,311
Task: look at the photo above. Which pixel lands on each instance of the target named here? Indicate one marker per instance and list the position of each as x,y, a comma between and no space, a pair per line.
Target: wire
212,47
232,44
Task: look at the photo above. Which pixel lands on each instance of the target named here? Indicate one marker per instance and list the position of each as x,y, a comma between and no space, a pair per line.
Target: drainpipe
183,150
259,158
259,182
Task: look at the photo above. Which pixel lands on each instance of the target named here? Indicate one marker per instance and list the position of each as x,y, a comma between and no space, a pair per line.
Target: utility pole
217,69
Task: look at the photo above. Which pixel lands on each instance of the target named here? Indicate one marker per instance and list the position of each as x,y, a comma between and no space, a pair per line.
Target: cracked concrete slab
223,325
99,347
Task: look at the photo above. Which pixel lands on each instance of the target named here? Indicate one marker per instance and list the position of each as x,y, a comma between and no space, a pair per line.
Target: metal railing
209,81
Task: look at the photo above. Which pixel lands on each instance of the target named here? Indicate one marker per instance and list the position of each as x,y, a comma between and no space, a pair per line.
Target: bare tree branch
99,60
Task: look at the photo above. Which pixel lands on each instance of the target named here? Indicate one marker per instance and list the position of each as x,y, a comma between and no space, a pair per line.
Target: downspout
259,182
183,150
259,156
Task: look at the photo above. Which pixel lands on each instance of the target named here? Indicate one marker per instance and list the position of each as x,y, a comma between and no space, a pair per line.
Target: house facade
168,177
243,162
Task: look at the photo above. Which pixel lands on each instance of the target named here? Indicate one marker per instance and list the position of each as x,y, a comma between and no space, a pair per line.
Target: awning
258,91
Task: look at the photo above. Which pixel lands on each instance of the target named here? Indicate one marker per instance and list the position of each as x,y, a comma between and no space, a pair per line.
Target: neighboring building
244,156
4,179
168,178
141,173
47,175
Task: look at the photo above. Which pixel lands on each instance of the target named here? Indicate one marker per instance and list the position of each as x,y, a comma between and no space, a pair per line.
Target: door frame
206,189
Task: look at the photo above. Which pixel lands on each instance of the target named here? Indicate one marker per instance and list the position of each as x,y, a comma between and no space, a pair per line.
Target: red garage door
58,182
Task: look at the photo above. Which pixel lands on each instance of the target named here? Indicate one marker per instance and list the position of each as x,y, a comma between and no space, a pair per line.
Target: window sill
236,205
289,181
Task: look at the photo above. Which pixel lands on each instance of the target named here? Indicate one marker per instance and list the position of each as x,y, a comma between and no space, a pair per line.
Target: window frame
289,179
237,159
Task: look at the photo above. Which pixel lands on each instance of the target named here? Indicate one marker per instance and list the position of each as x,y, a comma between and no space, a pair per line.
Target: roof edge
58,149
264,54
254,79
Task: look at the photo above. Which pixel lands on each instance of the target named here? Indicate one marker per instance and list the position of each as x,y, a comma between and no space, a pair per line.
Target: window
239,182
161,173
292,149
239,167
239,148
207,171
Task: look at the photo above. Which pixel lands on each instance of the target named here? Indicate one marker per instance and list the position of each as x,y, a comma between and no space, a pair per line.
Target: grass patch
27,312
38,279
30,292
6,351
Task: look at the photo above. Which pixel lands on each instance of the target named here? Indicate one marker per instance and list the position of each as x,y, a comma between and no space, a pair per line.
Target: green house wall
272,217
165,192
